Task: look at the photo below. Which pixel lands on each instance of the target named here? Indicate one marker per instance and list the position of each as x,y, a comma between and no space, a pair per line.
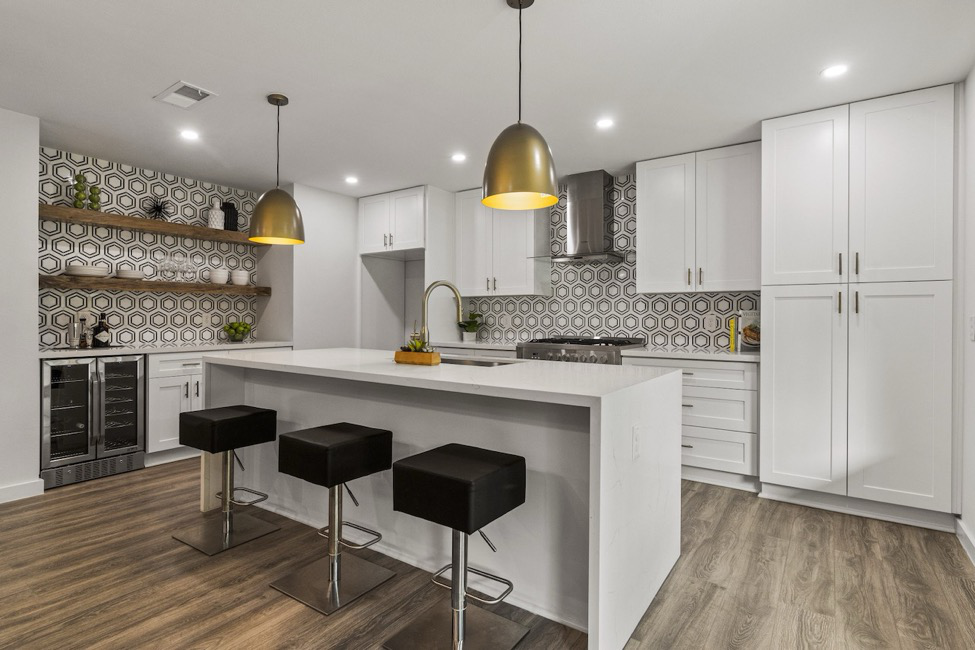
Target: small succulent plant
415,345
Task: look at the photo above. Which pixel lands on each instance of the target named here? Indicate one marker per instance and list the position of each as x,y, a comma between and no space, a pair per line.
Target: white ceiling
387,90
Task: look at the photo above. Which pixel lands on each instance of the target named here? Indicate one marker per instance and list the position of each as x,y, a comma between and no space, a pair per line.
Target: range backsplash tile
600,299
138,318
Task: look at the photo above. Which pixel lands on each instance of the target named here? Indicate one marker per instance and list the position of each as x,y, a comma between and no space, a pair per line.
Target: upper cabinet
901,186
501,252
805,198
698,221
860,193
391,222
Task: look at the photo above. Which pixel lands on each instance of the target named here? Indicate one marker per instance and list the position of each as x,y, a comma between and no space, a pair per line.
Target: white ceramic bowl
219,276
239,279
130,274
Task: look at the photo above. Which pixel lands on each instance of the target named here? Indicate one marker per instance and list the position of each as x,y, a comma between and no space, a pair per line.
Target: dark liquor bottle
101,336
83,339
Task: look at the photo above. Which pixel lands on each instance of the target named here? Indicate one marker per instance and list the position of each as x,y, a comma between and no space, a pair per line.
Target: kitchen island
600,529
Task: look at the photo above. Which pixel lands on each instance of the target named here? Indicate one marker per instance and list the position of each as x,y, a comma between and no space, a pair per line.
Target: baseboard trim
717,477
170,456
431,567
966,538
861,507
19,491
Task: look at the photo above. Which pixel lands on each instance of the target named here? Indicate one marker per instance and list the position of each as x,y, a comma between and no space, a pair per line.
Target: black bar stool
464,488
221,431
331,456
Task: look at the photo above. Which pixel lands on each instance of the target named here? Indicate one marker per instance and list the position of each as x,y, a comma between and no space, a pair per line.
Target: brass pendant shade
520,172
277,219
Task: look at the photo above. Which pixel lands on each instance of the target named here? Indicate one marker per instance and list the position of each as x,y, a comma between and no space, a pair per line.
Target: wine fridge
92,418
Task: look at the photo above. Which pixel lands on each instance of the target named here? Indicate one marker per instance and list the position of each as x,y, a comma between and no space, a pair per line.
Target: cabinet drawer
720,408
727,451
707,374
176,364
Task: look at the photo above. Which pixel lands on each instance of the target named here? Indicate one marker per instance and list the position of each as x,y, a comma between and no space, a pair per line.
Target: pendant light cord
277,155
519,63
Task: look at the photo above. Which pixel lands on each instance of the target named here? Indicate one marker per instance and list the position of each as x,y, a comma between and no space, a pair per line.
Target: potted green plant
416,353
470,326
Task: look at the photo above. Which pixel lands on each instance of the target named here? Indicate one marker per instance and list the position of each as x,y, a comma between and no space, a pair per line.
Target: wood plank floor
93,566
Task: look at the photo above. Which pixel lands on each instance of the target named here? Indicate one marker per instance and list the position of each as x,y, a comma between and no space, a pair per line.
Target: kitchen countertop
577,384
49,353
694,354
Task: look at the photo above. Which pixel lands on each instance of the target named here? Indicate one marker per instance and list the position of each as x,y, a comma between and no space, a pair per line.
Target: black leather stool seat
335,454
228,427
464,488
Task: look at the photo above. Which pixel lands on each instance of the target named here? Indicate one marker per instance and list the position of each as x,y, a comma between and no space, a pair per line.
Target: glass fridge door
68,402
121,386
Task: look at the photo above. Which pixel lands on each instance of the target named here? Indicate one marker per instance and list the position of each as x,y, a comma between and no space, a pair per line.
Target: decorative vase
469,337
215,216
230,216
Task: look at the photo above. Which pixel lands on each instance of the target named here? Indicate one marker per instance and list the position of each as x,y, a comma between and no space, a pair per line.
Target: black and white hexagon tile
600,299
140,319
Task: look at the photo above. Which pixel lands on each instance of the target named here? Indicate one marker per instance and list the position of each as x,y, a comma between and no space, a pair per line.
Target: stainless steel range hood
588,216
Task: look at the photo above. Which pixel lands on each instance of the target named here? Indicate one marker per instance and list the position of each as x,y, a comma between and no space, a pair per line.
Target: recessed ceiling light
835,70
351,180
459,157
188,134
604,123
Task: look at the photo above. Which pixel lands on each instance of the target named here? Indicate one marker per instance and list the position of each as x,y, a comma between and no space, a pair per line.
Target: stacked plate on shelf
130,274
87,271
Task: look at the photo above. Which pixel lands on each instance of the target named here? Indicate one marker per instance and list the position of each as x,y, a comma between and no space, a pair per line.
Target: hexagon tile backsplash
136,318
600,299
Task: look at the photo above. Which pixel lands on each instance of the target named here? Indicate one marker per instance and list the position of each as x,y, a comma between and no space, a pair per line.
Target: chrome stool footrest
323,532
484,574
260,496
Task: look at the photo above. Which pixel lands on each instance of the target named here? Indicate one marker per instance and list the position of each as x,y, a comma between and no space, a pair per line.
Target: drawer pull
688,406
688,446
195,363
687,374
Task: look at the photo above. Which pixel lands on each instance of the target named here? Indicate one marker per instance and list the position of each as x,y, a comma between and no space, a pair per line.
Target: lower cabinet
856,390
720,413
167,398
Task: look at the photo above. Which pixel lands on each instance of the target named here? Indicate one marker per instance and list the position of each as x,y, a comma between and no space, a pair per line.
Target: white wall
20,449
966,212
314,299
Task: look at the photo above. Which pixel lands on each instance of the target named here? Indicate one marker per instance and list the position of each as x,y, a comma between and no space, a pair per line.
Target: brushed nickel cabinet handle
390,240
856,301
700,275
495,284
197,387
186,389
856,263
688,277
688,374
839,303
688,406
688,446
487,284
841,264
385,240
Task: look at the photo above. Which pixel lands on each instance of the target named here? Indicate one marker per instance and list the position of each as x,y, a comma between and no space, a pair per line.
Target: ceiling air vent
184,95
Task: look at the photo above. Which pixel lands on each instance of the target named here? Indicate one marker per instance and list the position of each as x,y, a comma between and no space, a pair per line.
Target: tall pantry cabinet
857,217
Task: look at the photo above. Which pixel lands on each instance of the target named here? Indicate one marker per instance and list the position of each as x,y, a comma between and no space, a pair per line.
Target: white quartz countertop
155,349
694,354
477,345
577,384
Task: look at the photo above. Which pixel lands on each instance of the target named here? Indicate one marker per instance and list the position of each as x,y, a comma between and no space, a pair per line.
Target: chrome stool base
484,630
310,584
211,536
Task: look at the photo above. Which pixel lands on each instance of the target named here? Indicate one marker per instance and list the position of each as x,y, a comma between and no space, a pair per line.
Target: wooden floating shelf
118,284
67,214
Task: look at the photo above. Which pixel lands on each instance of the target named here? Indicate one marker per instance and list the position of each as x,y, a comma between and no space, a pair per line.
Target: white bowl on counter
219,276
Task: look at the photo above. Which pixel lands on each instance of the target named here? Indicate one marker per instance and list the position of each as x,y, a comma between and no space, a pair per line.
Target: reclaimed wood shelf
66,214
118,284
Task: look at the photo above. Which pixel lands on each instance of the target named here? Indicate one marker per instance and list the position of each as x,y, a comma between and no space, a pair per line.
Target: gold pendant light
277,219
520,172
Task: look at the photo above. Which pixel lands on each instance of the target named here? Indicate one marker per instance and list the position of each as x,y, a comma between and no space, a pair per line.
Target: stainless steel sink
485,363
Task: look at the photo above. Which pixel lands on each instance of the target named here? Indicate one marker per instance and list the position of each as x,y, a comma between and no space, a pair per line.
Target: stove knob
573,357
603,360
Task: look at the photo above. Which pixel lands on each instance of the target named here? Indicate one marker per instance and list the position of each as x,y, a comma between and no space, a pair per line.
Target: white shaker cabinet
395,221
804,398
900,393
167,398
698,221
501,252
805,198
665,195
901,186
728,208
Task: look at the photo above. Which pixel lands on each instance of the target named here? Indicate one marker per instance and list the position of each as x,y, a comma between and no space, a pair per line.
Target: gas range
599,349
